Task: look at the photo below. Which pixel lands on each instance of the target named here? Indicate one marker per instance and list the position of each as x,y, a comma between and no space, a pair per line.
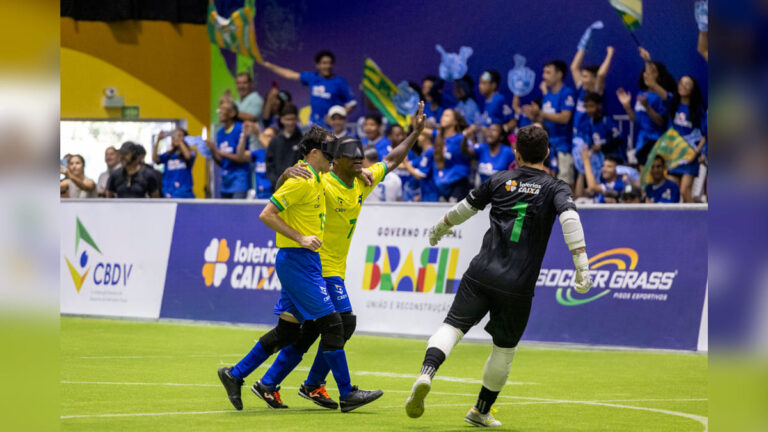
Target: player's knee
284,334
331,332
349,321
310,331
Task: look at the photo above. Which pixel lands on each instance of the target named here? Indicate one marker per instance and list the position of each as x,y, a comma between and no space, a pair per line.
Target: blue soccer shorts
303,293
338,291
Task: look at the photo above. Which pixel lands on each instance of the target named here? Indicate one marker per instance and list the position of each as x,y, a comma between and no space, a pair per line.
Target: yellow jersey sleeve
292,192
302,206
379,171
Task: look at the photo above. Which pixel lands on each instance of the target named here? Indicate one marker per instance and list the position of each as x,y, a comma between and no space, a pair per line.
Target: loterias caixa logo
614,274
246,267
104,273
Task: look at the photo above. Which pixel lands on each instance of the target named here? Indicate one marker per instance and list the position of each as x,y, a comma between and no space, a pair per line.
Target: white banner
114,257
397,282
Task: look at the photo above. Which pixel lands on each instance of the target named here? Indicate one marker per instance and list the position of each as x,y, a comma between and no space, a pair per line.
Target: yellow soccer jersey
344,203
302,206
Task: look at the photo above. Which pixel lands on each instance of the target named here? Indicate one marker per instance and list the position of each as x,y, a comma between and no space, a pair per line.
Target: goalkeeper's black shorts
509,313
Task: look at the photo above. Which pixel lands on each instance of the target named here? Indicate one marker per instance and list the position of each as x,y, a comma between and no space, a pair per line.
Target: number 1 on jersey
352,228
517,228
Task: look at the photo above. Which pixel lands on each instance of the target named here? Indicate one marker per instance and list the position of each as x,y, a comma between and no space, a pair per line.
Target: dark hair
183,131
461,122
538,101
436,92
375,117
558,65
82,159
248,74
416,87
324,53
503,137
140,150
233,105
591,69
429,78
661,158
466,85
370,153
593,97
665,79
314,138
532,143
614,159
392,126
495,76
696,107
289,109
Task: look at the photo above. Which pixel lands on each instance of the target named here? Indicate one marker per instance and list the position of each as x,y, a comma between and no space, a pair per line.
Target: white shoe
414,406
481,420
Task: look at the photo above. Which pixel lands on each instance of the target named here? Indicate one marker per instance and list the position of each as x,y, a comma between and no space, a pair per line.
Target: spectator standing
422,169
558,104
112,159
134,179
431,89
273,106
389,189
75,184
662,189
466,105
588,79
452,167
337,118
235,177
688,111
326,89
262,185
283,151
495,108
177,165
600,134
250,104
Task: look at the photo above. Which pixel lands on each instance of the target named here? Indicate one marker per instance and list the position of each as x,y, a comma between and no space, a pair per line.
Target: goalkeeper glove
438,231
583,280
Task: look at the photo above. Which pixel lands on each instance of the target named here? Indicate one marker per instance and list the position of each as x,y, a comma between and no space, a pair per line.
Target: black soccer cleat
357,398
318,395
268,395
233,387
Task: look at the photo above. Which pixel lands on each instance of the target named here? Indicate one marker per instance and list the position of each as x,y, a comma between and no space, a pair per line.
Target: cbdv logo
624,281
252,267
437,272
104,273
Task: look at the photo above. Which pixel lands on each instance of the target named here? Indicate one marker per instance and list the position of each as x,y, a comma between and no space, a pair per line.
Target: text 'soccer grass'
123,375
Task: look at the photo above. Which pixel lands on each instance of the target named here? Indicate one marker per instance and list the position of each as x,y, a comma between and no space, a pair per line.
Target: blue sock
285,362
250,362
338,362
319,369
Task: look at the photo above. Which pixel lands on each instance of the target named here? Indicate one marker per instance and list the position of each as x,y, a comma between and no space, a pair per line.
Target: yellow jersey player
297,213
345,193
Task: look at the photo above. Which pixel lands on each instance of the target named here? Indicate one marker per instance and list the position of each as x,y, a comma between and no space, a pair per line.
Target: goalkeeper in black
501,279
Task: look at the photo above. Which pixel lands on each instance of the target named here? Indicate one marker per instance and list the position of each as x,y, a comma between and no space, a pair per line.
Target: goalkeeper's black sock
432,361
485,400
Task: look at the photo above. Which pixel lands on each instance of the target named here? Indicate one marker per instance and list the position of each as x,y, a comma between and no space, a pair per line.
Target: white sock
497,368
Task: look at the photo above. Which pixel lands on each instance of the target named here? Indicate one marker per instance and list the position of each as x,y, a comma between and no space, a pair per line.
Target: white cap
337,109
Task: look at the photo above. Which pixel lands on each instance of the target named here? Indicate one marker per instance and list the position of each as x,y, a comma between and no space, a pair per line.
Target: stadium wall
214,261
161,67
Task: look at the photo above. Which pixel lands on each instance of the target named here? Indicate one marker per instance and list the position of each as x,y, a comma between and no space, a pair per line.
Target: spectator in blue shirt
650,111
431,89
326,89
688,111
452,167
600,134
495,107
558,104
610,185
235,177
422,169
243,155
373,134
466,105
177,165
662,189
587,79
492,156
522,120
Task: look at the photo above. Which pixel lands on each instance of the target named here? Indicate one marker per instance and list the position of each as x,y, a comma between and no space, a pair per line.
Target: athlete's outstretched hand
438,231
367,177
420,119
310,242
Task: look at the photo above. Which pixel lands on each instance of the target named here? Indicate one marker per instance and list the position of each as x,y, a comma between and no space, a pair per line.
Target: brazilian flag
673,148
379,90
630,11
236,33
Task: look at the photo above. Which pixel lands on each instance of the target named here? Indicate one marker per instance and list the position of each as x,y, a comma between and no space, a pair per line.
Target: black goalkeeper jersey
524,205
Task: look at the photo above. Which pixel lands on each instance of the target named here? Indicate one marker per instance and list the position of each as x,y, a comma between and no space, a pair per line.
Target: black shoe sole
350,408
319,402
237,403
258,395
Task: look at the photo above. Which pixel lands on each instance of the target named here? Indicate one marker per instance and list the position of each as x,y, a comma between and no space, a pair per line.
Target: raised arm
657,118
602,72
399,153
214,151
271,218
576,67
592,185
155,156
466,149
703,45
283,72
625,98
439,149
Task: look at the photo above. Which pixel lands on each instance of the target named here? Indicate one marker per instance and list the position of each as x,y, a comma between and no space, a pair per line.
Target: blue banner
221,265
650,273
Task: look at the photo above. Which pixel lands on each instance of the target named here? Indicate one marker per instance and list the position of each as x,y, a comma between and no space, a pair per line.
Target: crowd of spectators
470,136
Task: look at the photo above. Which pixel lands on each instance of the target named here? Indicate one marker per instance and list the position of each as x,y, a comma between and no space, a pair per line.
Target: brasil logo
81,234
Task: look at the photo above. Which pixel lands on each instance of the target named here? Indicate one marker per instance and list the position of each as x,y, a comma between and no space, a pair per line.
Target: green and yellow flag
673,148
379,89
236,33
630,11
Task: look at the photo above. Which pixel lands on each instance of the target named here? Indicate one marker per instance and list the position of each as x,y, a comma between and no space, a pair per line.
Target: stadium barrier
213,260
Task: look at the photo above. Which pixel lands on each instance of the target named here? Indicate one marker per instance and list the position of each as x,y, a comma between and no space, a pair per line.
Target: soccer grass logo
608,257
215,267
81,234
